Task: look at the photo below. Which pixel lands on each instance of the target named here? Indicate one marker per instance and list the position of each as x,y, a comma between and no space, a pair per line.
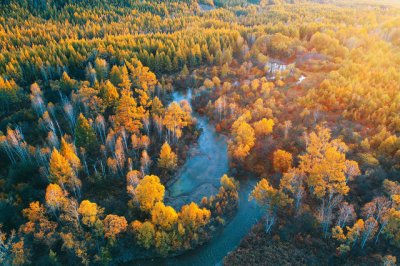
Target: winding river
199,177
206,163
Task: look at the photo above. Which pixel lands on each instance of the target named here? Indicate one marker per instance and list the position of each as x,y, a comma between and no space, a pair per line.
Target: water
207,162
213,252
199,177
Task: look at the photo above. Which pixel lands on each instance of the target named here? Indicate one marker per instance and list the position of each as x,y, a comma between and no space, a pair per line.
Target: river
199,177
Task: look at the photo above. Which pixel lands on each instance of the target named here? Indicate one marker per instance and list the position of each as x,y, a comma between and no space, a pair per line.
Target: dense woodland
306,92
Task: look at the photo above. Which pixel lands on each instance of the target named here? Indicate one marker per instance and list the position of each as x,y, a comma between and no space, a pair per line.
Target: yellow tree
264,127
163,216
144,98
148,192
38,224
114,225
392,229
292,183
168,159
242,139
325,166
55,197
282,161
35,212
85,136
62,173
125,82
109,94
141,76
354,232
175,120
115,75
128,115
90,212
67,150
20,256
192,218
157,108
226,201
271,199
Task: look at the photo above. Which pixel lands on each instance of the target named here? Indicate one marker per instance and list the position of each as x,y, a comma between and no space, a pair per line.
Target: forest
199,132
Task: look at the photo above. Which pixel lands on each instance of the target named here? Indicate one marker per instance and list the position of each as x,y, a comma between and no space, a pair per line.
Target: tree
85,136
168,159
145,161
115,76
67,84
184,72
20,255
148,192
337,233
270,199
38,225
157,108
324,163
164,241
67,150
55,198
346,214
163,216
243,139
62,173
125,80
354,233
11,95
90,212
35,212
192,217
352,170
264,127
133,178
292,182
282,161
389,260
101,67
208,83
392,229
128,115
288,125
37,101
175,119
109,94
6,247
370,229
114,225
325,167
226,201
145,233
141,76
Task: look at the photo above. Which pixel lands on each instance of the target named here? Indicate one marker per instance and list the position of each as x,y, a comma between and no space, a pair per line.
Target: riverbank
200,177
